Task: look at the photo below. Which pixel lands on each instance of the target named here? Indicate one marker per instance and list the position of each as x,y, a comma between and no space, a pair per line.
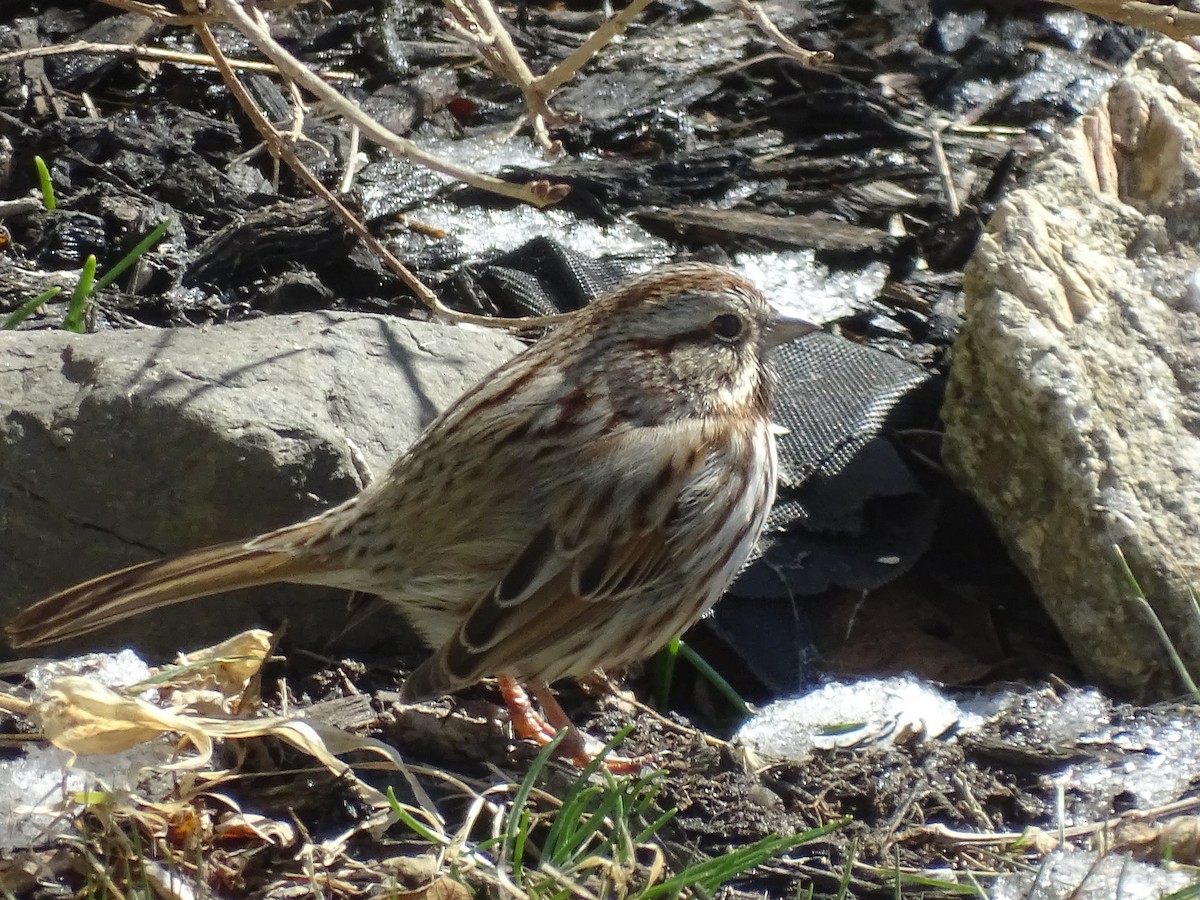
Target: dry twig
480,25
205,13
1043,841
152,53
162,16
1172,21
282,146
754,12
538,193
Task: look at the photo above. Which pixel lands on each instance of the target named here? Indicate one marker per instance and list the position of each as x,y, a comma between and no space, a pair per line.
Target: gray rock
120,447
1073,410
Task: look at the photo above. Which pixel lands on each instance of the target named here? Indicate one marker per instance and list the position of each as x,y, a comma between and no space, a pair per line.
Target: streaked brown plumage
576,509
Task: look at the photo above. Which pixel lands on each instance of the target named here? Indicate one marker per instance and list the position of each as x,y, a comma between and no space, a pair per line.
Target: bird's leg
527,722
530,725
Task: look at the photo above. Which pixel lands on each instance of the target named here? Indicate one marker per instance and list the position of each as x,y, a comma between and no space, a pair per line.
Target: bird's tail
138,589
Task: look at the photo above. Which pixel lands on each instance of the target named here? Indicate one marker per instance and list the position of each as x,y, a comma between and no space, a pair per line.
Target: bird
576,509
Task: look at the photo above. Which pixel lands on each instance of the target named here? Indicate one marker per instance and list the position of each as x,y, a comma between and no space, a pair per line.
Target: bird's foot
575,747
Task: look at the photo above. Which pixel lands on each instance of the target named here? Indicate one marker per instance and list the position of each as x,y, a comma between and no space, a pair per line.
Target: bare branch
811,58
538,193
477,22
563,72
1169,20
152,53
281,146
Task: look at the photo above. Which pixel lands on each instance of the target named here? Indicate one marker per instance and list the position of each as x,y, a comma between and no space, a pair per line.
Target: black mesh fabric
838,402
849,512
539,278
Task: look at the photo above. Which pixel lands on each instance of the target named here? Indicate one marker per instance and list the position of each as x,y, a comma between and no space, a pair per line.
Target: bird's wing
603,544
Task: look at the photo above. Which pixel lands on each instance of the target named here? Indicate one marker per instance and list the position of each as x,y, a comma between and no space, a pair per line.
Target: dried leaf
446,888
1039,839
186,826
84,717
240,826
442,888
214,679
420,869
1178,839
167,883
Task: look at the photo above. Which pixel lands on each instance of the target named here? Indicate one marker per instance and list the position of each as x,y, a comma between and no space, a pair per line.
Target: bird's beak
784,329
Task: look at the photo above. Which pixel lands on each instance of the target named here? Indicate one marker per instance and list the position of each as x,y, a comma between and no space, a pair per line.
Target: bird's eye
727,327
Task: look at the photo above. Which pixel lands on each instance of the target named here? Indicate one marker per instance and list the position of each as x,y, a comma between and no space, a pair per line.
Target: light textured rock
123,446
1073,411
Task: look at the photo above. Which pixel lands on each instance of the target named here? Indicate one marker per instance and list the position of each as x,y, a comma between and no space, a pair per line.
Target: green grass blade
723,687
940,885
411,821
133,255
594,765
25,310
664,673
648,788
655,827
1188,892
518,822
577,798
45,184
712,873
575,842
847,875
519,841
565,819
1140,600
79,299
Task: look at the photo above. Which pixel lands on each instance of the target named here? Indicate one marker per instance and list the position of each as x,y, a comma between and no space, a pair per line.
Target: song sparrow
576,509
